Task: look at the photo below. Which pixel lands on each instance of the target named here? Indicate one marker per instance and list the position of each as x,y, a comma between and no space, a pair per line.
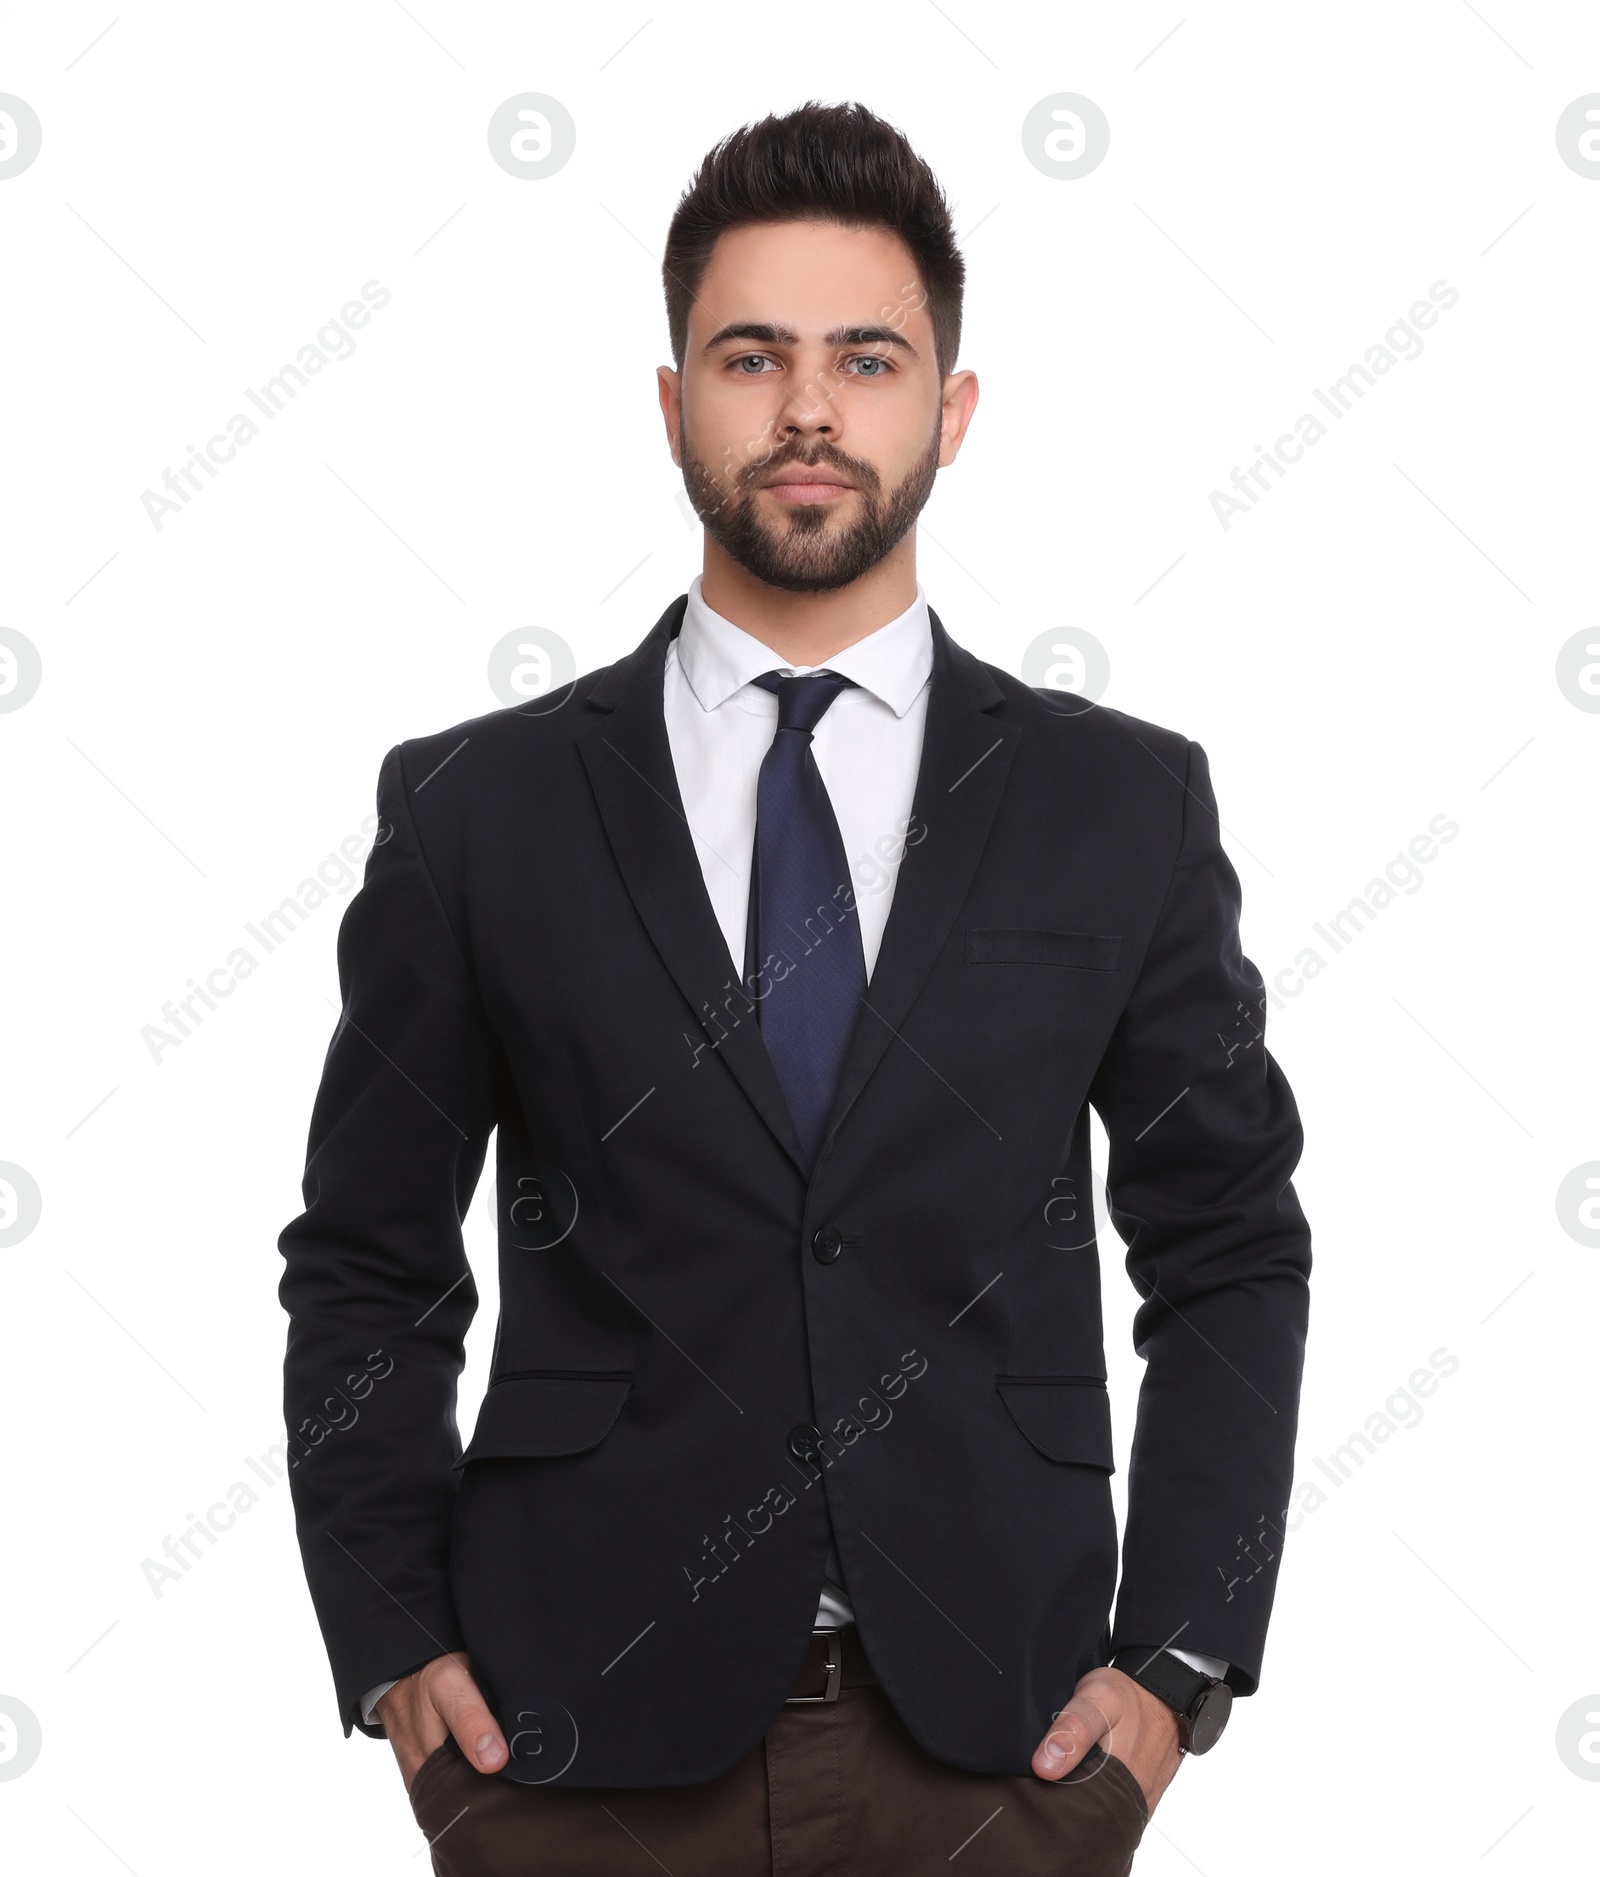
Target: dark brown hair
822,162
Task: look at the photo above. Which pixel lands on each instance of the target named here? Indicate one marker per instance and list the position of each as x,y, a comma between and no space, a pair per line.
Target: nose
807,412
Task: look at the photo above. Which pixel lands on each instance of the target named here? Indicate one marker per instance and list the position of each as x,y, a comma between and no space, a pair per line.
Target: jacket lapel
966,757
629,759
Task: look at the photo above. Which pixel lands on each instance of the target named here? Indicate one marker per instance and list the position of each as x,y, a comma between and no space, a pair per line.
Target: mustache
863,475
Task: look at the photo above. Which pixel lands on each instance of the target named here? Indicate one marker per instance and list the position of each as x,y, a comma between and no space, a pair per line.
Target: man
785,958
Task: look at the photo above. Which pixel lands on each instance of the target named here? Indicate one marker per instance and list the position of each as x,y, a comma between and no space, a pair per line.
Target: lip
799,484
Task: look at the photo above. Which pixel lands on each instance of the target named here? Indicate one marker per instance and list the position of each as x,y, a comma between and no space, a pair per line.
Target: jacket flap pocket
1019,945
1066,1418
538,1417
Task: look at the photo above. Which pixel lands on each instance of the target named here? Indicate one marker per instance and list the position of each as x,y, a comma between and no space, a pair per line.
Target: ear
960,401
669,388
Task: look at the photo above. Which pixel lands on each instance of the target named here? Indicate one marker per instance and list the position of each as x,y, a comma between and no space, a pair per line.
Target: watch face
1209,1716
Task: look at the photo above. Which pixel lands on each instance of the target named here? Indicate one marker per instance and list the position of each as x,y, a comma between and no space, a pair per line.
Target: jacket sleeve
1204,1136
376,1281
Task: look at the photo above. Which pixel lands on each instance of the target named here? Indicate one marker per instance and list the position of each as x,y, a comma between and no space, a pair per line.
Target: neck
810,628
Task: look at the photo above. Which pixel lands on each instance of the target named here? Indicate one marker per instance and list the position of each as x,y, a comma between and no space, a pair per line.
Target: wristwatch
1201,1702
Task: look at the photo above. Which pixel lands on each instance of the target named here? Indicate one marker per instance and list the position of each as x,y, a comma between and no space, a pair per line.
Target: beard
807,550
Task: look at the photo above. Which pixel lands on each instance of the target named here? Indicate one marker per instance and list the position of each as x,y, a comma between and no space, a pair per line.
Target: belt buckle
833,1668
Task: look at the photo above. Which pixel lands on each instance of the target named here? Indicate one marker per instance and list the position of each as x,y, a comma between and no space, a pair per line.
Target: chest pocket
1021,945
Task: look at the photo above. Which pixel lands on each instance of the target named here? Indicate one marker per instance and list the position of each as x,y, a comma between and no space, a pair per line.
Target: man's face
810,348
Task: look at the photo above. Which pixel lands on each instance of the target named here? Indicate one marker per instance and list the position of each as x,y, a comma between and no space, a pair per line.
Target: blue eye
754,365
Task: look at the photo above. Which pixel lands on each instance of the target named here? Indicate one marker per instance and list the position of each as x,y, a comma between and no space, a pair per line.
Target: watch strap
1168,1679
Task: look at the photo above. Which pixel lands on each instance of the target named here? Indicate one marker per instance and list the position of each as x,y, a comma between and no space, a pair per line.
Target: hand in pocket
440,1701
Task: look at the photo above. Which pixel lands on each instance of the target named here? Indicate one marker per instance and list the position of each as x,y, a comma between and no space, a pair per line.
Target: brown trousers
835,1790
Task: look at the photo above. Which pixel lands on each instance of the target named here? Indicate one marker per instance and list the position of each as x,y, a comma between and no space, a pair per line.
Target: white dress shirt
868,746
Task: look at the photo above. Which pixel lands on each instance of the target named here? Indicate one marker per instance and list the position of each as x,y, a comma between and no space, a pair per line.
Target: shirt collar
718,658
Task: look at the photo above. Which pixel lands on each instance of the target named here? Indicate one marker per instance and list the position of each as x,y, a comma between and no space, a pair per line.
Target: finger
462,1708
412,1724
415,1757
1072,1733
386,1709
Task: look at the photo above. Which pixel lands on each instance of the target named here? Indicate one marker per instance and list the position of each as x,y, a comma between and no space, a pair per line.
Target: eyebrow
763,333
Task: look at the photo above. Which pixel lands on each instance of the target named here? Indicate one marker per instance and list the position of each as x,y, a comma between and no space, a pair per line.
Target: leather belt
834,1660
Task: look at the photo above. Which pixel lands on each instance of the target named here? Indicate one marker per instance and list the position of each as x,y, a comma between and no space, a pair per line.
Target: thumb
1072,1733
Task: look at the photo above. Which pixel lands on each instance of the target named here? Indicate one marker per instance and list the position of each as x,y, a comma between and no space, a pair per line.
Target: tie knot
803,700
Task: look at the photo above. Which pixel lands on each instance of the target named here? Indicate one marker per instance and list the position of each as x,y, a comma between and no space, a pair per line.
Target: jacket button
826,1244
805,1441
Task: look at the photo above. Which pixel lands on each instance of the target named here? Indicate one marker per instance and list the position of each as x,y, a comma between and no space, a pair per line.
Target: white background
1371,646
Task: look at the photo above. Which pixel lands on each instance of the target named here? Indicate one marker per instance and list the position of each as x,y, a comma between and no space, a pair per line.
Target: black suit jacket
629,1550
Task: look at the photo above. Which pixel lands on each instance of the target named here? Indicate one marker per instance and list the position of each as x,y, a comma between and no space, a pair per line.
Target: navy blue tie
804,964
